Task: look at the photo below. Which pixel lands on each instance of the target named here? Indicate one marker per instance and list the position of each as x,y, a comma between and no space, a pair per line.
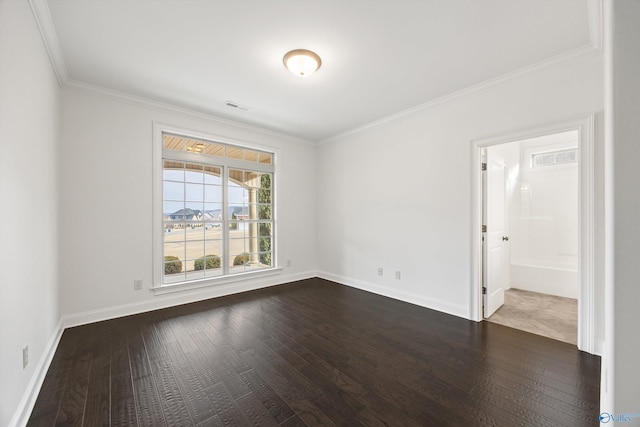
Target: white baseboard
598,348
431,303
178,298
23,411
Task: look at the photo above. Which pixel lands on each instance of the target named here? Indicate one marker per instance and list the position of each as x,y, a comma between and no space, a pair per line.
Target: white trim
28,401
430,303
158,154
595,9
608,362
586,311
216,281
44,21
42,15
76,86
562,59
175,299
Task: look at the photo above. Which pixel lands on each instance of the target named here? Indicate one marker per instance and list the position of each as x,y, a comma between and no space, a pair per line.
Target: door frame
586,235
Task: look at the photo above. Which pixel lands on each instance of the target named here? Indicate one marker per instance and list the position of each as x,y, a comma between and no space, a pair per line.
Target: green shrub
212,261
172,265
241,259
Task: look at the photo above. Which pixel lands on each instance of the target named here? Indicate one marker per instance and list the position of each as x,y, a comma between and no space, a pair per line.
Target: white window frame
159,130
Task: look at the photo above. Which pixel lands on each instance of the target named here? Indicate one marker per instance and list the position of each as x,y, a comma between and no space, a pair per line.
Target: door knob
505,238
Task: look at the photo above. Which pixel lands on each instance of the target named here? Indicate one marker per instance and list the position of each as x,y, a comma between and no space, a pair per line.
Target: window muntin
216,209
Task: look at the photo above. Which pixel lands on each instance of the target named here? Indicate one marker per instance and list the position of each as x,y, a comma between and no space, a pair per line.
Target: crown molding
594,48
45,24
566,58
42,15
596,24
90,89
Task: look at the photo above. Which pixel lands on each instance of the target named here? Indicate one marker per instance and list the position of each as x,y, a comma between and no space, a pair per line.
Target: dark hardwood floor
313,353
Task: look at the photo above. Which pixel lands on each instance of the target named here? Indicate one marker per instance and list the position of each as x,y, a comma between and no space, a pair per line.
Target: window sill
215,281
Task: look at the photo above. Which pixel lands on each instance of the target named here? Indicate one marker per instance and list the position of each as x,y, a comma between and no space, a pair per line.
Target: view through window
217,209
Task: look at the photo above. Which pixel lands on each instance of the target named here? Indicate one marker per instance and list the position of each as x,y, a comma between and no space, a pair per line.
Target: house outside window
214,215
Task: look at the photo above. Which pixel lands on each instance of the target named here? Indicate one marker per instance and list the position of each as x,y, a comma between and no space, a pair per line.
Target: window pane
213,247
264,229
238,196
265,158
265,181
194,192
193,274
251,156
239,261
234,152
173,142
174,232
193,173
264,212
173,278
172,190
193,216
194,249
195,146
169,207
173,171
212,175
266,259
236,177
173,257
264,196
213,230
212,193
213,149
238,239
195,231
212,212
191,212
252,180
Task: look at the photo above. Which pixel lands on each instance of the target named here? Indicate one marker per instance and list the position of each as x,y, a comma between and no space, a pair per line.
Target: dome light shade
302,62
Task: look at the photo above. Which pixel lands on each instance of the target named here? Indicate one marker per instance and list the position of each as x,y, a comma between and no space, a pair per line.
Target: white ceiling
379,57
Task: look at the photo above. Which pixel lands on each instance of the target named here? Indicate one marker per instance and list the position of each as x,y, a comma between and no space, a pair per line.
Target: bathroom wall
543,217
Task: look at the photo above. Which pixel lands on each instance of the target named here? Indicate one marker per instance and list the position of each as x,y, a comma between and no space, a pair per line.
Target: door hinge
484,290
484,228
484,166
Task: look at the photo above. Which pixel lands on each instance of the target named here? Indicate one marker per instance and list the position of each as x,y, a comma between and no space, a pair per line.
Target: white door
494,265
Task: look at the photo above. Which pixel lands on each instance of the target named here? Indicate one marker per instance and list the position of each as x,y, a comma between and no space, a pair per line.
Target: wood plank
310,353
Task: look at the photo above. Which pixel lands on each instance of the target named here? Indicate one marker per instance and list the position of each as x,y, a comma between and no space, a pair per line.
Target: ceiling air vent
554,157
236,106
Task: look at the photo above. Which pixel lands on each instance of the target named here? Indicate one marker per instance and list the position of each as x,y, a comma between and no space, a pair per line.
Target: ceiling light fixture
302,62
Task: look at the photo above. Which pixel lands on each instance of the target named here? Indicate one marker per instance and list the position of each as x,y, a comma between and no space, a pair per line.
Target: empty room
302,213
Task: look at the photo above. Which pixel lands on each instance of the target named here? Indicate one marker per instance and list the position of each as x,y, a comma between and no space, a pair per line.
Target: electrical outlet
137,285
380,271
288,263
25,357
398,274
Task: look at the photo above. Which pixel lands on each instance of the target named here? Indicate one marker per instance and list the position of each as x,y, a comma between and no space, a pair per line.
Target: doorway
530,246
516,266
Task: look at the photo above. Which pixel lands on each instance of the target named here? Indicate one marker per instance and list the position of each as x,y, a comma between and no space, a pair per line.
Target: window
554,157
216,216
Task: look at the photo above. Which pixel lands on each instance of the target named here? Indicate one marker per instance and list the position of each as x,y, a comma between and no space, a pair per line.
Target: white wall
620,388
543,212
29,140
106,205
398,195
